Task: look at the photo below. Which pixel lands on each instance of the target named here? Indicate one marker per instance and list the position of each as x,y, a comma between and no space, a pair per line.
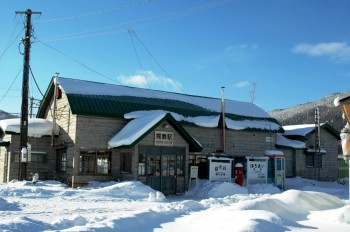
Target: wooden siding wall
67,138
238,143
328,172
3,164
94,133
45,170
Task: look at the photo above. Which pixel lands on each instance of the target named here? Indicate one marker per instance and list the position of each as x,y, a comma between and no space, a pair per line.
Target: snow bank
208,206
207,189
132,190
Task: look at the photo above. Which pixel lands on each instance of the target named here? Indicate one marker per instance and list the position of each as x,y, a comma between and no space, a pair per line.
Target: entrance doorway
161,173
164,167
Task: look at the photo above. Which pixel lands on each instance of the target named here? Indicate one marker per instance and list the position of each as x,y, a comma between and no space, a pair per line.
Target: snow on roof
211,121
37,127
283,141
74,86
141,123
135,129
257,124
274,153
301,130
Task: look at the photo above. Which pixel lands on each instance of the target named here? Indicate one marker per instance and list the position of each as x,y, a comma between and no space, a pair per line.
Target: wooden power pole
25,87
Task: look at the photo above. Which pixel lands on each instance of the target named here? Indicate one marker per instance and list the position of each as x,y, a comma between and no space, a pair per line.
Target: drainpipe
223,120
54,110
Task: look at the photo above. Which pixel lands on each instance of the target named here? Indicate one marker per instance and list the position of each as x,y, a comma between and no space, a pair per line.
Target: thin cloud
242,84
337,52
148,79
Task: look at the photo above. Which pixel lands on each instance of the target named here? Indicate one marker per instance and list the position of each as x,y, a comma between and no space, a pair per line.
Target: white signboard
256,170
163,138
194,172
220,169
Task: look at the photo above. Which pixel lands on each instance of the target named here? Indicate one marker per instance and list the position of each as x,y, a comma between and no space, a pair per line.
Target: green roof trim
4,143
329,128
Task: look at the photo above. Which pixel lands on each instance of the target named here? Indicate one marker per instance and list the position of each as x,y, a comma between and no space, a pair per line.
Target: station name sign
163,138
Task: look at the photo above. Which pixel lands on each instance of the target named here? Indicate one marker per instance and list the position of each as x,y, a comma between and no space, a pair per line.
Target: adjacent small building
302,156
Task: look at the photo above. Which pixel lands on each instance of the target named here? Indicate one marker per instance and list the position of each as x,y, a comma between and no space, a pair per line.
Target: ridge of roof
307,129
75,86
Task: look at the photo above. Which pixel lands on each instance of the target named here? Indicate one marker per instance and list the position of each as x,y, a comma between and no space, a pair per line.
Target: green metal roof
117,106
119,100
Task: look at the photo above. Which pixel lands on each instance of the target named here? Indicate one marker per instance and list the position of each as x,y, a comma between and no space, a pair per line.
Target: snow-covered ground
306,205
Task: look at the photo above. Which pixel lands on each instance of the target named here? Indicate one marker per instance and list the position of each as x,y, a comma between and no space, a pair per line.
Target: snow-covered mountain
305,113
5,115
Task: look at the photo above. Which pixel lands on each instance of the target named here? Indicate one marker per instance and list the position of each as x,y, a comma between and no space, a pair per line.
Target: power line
156,61
78,62
10,43
98,12
11,84
138,58
30,68
140,23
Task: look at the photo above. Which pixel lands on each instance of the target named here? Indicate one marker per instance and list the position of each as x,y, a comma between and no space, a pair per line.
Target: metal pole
54,110
223,121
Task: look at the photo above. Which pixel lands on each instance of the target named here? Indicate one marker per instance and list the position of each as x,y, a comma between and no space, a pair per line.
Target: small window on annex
314,159
35,157
94,162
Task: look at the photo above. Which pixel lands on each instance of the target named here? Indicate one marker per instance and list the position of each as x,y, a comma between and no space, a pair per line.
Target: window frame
126,162
89,162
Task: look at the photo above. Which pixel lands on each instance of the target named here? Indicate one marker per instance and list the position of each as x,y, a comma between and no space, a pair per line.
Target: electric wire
156,61
36,83
3,97
9,44
83,65
161,67
78,62
139,23
138,58
98,12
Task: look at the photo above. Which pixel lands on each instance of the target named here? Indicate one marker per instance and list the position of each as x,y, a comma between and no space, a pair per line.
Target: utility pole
253,92
317,157
223,120
25,87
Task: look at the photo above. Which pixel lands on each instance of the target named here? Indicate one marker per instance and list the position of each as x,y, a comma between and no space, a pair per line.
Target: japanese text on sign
163,138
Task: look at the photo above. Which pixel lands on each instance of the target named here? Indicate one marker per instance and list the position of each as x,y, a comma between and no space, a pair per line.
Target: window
126,162
142,165
310,162
103,162
95,162
35,157
39,157
313,160
180,165
61,160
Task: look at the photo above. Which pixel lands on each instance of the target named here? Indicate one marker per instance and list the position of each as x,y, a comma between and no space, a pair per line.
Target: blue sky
294,51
